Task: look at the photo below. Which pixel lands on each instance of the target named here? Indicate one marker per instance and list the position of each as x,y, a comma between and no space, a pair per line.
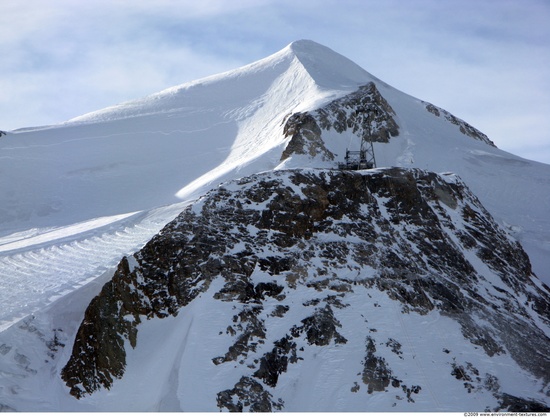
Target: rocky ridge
364,112
464,127
316,255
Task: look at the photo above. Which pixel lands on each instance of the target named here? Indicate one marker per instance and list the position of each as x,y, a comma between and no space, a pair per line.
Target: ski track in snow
32,277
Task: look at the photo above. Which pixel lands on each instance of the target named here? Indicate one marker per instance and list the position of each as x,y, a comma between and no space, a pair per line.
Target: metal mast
362,159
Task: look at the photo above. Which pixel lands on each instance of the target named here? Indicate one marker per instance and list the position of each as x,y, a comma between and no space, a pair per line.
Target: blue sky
486,61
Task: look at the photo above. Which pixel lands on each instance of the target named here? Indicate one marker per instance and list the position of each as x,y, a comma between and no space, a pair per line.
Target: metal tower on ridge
362,159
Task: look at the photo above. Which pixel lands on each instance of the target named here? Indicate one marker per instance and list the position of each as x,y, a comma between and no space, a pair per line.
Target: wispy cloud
485,61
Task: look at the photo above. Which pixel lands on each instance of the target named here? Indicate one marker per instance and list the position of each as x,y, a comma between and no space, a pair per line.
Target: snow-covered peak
305,63
328,68
228,90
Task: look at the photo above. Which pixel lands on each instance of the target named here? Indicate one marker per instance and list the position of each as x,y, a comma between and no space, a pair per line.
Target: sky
485,61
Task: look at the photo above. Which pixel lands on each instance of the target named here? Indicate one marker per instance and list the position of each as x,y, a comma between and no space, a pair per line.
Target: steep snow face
329,69
321,290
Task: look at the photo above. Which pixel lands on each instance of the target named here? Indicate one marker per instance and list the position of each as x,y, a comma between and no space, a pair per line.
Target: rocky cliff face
365,113
312,259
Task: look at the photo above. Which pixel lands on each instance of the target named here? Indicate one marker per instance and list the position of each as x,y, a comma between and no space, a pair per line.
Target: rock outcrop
317,254
365,113
463,126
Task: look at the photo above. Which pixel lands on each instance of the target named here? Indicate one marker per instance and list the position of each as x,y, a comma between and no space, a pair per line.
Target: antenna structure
360,160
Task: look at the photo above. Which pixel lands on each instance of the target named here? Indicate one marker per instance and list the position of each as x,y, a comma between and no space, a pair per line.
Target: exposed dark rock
275,362
376,372
415,389
395,347
463,373
320,328
251,395
432,109
305,137
512,403
365,113
415,236
252,332
464,127
280,311
102,334
275,265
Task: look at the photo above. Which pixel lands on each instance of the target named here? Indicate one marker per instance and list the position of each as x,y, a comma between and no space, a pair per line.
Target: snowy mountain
314,289
404,290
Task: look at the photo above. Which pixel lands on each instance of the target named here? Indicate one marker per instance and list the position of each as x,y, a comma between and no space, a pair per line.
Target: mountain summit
199,249
306,64
327,68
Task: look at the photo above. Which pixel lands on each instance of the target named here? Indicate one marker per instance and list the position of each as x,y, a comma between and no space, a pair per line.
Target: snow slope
161,150
76,197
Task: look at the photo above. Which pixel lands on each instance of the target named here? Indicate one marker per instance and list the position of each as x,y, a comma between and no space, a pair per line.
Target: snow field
36,270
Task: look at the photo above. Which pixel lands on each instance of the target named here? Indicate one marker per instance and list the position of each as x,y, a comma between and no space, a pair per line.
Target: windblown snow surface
77,197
